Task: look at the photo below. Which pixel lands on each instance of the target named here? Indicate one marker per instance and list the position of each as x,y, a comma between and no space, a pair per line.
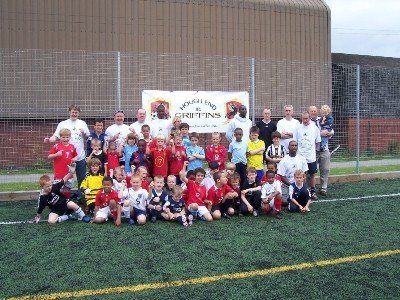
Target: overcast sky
369,27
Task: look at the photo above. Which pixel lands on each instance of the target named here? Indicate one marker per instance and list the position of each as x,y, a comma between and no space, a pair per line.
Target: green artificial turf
72,256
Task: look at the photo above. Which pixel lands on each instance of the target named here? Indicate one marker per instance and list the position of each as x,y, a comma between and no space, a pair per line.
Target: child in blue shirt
129,148
237,154
195,153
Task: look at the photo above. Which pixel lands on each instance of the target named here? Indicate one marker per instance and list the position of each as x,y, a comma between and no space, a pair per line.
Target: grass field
337,251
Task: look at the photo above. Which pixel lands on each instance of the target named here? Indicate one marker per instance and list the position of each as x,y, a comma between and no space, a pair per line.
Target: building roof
354,59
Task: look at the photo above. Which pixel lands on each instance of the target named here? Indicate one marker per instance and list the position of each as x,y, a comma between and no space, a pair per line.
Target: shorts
312,168
62,209
215,207
272,204
201,211
69,184
137,212
104,213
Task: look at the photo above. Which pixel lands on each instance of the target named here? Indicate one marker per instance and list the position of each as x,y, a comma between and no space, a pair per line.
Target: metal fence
37,86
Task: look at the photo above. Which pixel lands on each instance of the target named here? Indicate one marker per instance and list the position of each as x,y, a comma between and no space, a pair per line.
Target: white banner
203,111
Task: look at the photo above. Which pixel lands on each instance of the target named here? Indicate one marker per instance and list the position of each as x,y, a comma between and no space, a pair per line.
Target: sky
368,27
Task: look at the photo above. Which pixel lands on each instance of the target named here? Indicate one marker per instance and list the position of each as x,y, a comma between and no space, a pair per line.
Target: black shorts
215,207
312,168
62,209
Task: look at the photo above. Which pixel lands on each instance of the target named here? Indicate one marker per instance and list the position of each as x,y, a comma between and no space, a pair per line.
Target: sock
278,204
179,219
127,212
62,218
80,212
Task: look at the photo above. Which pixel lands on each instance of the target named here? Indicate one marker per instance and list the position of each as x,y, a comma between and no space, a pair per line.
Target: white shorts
69,184
271,203
201,211
104,213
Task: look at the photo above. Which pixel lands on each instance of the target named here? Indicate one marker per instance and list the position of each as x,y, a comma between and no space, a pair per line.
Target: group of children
165,180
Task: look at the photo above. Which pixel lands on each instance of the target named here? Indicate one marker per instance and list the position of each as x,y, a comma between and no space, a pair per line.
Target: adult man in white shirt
288,165
136,127
286,126
239,121
79,132
118,131
161,125
308,139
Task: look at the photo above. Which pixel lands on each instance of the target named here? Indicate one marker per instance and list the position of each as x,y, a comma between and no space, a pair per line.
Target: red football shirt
160,161
103,199
176,161
62,162
216,195
195,193
216,153
113,161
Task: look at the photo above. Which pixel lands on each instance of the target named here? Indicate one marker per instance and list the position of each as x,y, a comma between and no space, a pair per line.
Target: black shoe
278,216
153,219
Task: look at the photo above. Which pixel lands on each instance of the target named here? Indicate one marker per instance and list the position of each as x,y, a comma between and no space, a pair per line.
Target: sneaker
255,213
153,219
86,219
307,209
72,218
226,216
131,221
278,216
240,215
314,196
190,220
322,192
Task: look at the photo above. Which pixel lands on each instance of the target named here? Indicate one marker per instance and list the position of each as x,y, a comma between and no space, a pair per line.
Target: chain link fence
37,86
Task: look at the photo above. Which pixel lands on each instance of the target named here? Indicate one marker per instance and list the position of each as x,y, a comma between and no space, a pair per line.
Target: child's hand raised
185,163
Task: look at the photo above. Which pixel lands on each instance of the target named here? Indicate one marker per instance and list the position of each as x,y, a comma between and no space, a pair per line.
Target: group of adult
288,127
297,137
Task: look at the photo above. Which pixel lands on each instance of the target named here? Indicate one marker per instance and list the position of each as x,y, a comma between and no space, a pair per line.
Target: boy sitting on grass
271,195
299,195
107,204
60,207
196,193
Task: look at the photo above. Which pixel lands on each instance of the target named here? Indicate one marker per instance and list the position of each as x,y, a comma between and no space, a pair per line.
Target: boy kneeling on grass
60,207
107,204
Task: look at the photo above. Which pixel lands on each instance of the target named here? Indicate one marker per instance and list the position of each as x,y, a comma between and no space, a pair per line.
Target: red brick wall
376,134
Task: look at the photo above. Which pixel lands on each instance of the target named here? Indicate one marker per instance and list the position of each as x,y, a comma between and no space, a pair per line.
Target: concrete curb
33,195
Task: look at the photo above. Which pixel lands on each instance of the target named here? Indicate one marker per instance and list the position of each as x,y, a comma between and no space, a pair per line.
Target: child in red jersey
160,157
177,158
221,196
216,151
271,166
113,155
142,172
107,204
63,154
196,193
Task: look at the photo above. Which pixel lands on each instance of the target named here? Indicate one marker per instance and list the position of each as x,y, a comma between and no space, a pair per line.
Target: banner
203,111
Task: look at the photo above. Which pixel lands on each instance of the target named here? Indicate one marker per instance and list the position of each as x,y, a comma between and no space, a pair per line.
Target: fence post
358,120
118,80
253,90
